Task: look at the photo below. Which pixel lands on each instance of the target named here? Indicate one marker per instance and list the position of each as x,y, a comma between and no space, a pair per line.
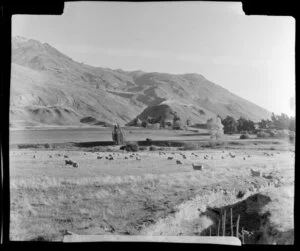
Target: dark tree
230,125
245,125
118,135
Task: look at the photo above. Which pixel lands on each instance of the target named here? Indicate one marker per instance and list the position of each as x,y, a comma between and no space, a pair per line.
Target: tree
265,124
245,125
230,125
118,135
177,125
215,127
292,124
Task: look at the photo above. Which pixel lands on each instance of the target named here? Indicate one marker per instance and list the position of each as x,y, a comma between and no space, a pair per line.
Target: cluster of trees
231,125
158,122
278,122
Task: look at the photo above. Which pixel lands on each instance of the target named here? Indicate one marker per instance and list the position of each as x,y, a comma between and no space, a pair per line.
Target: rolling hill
49,88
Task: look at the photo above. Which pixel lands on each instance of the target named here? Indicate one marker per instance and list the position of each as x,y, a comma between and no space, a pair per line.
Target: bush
244,136
130,147
46,145
152,148
142,148
261,134
149,141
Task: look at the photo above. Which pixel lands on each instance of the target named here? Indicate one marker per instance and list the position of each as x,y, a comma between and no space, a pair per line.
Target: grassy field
150,196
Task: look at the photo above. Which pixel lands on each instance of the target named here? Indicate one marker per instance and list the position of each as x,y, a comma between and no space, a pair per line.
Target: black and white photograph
152,122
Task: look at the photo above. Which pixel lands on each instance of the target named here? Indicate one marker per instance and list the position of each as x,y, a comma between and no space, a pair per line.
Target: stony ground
147,192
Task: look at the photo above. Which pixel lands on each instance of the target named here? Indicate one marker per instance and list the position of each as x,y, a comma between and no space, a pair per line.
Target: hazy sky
251,56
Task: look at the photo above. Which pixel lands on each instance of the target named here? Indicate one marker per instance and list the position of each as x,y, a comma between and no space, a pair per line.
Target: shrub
244,136
261,134
149,141
46,145
142,148
152,148
130,147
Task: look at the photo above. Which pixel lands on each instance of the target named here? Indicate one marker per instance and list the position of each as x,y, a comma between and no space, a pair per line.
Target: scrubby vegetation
244,136
130,147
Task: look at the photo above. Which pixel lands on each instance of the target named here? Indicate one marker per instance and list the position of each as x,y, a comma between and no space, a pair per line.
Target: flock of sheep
196,166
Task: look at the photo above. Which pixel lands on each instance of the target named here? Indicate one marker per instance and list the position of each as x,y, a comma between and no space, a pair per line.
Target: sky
251,56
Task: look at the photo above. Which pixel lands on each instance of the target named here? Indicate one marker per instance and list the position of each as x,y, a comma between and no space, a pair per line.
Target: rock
198,166
50,156
244,158
125,157
178,162
111,158
170,157
66,156
75,165
223,157
137,158
99,157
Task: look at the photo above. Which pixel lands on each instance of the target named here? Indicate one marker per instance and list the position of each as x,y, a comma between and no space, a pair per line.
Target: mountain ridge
42,75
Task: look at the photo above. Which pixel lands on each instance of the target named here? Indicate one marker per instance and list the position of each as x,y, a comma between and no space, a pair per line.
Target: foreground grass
46,207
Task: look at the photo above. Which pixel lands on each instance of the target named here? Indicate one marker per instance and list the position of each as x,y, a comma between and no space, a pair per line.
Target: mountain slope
48,87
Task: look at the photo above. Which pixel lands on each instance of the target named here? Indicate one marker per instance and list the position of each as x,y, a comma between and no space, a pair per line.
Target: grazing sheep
125,157
255,173
178,162
138,158
198,167
268,176
111,158
170,157
66,156
68,162
99,157
223,157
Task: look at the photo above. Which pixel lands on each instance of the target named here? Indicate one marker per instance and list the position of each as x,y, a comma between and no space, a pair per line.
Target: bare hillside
49,88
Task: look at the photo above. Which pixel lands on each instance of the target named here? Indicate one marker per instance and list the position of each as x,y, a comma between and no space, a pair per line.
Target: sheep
138,158
99,157
68,162
170,157
178,162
